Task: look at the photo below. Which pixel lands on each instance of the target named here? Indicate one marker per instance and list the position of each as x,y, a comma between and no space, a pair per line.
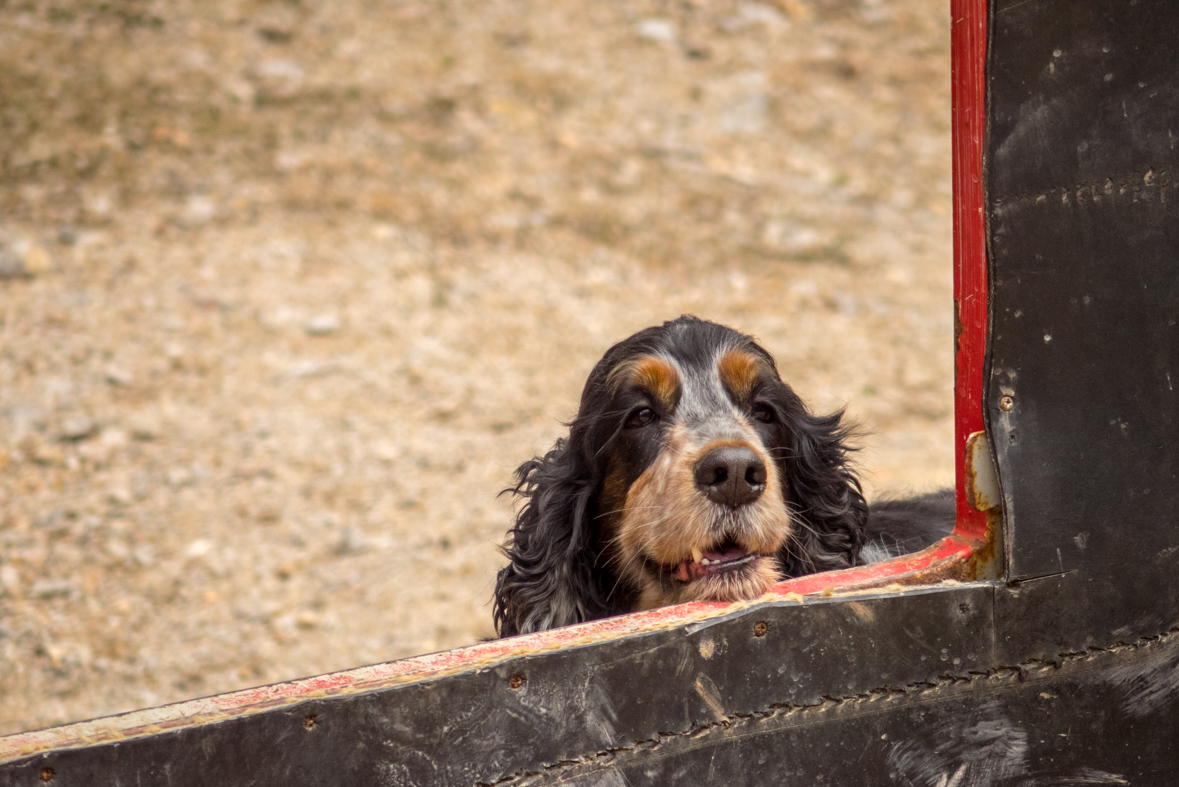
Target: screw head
760,628
1007,403
517,681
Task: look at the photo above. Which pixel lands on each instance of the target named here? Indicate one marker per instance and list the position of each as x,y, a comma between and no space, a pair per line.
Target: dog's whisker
625,509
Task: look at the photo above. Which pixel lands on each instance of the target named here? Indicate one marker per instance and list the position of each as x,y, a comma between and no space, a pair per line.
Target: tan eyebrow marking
739,372
653,374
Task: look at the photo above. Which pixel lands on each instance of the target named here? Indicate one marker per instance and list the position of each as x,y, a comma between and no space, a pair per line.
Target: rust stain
982,482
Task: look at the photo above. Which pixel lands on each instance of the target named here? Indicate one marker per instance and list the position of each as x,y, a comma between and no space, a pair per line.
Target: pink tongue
736,553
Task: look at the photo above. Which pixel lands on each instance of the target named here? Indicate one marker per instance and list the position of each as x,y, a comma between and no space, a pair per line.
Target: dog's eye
762,412
640,417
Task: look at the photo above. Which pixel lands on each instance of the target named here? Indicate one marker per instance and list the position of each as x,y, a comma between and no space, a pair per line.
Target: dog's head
692,472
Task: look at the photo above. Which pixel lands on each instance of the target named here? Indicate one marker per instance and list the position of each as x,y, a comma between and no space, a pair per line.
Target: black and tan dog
691,472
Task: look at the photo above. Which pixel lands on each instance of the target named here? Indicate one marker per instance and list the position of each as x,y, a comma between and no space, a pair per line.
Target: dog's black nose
731,475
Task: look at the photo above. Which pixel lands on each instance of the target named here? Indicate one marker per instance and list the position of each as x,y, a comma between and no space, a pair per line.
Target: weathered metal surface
965,555
1100,718
1082,402
982,480
531,712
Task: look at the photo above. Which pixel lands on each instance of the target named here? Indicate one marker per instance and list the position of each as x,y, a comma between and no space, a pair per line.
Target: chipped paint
982,480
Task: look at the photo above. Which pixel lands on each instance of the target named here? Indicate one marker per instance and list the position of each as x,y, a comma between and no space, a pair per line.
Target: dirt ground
288,289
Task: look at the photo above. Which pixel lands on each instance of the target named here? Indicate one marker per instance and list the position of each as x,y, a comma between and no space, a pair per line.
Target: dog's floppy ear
830,513
548,581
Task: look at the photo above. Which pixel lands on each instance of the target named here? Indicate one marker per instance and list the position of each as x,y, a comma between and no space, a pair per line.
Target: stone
77,427
51,588
323,325
145,426
24,260
10,578
199,548
118,376
198,211
352,543
657,30
119,492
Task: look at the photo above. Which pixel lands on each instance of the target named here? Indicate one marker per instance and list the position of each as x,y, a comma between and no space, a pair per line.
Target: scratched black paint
1082,159
474,727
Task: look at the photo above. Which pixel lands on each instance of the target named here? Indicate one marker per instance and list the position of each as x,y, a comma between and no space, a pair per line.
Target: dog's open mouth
723,558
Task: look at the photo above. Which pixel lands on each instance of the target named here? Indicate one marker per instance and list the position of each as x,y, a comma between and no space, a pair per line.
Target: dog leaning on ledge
691,473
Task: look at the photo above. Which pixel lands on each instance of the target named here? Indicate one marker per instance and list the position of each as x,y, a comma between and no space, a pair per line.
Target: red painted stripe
968,38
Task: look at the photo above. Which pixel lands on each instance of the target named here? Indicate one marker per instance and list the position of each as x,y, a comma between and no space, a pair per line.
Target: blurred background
289,288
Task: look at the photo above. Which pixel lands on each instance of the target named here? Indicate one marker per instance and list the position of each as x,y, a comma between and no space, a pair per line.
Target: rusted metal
982,480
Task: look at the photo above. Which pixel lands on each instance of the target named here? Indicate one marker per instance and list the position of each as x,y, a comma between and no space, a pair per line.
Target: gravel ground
288,289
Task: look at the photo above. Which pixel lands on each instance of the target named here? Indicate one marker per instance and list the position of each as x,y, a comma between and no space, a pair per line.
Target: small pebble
77,427
23,260
9,577
199,548
198,211
323,325
48,455
118,376
145,426
353,543
119,493
657,29
179,476
51,588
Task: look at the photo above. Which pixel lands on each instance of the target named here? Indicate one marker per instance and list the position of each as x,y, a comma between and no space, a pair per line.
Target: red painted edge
951,550
968,37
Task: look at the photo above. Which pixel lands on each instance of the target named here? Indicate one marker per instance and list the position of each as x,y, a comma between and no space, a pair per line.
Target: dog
692,472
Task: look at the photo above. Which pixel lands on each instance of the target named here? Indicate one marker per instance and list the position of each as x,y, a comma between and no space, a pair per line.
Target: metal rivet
309,721
517,681
47,774
1007,403
760,628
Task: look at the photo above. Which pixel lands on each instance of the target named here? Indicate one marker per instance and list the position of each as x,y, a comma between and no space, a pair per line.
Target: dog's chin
746,581
736,581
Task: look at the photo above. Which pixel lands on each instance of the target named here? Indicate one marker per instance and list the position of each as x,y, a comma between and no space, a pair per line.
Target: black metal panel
475,728
1080,91
1103,719
1082,154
